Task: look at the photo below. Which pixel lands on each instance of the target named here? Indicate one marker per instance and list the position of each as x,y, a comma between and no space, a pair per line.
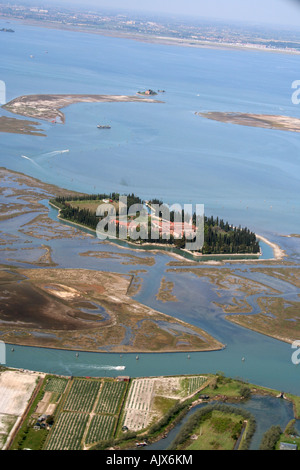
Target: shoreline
95,351
277,251
47,107
263,121
231,318
169,41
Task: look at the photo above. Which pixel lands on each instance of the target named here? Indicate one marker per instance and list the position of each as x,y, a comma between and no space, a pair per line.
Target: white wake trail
104,367
30,159
53,153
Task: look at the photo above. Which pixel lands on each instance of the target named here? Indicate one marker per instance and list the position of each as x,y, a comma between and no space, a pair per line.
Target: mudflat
267,121
20,126
47,107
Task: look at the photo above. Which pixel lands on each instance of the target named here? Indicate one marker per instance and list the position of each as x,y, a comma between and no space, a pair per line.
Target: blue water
248,176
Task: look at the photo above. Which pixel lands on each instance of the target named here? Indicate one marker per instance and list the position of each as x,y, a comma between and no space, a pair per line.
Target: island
48,107
220,237
20,126
147,92
266,121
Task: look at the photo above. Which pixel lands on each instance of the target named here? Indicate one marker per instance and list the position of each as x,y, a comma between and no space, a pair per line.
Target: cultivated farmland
110,397
16,388
150,398
84,412
101,428
69,431
87,414
82,395
56,384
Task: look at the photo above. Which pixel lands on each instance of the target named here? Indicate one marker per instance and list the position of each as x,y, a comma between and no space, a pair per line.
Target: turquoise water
246,175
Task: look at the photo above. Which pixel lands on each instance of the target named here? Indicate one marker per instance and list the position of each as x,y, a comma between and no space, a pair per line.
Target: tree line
219,236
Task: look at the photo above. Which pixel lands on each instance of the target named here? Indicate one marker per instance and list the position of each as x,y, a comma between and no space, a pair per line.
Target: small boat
76,354
243,359
12,349
189,357
103,127
141,444
137,358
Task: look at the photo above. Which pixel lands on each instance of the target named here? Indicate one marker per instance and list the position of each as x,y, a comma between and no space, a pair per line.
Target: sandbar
266,121
47,107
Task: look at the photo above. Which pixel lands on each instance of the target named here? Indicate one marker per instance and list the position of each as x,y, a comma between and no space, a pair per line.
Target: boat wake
30,159
99,367
53,153
47,154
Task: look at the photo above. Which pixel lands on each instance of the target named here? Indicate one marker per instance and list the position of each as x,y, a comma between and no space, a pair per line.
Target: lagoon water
248,176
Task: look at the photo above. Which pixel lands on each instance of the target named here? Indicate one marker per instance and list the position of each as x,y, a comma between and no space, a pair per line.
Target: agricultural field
56,384
150,398
45,403
83,412
87,414
16,389
110,397
7,422
101,428
69,431
191,385
82,395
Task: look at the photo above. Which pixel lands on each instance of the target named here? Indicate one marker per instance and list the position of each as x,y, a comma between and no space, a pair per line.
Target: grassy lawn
215,433
27,437
32,439
90,205
162,404
223,386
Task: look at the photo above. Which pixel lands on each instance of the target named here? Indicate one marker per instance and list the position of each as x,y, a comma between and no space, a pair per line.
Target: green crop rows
55,384
194,383
101,428
74,422
69,431
82,395
110,397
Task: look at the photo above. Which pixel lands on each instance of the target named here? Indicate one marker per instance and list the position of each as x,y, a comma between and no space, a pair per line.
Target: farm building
123,378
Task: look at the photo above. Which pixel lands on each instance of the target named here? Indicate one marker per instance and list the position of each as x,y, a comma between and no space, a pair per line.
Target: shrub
245,391
270,438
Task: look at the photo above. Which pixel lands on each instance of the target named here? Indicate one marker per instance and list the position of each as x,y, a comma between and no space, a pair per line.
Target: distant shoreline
169,41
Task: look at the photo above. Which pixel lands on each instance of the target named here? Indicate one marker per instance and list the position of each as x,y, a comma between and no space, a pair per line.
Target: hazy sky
266,11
